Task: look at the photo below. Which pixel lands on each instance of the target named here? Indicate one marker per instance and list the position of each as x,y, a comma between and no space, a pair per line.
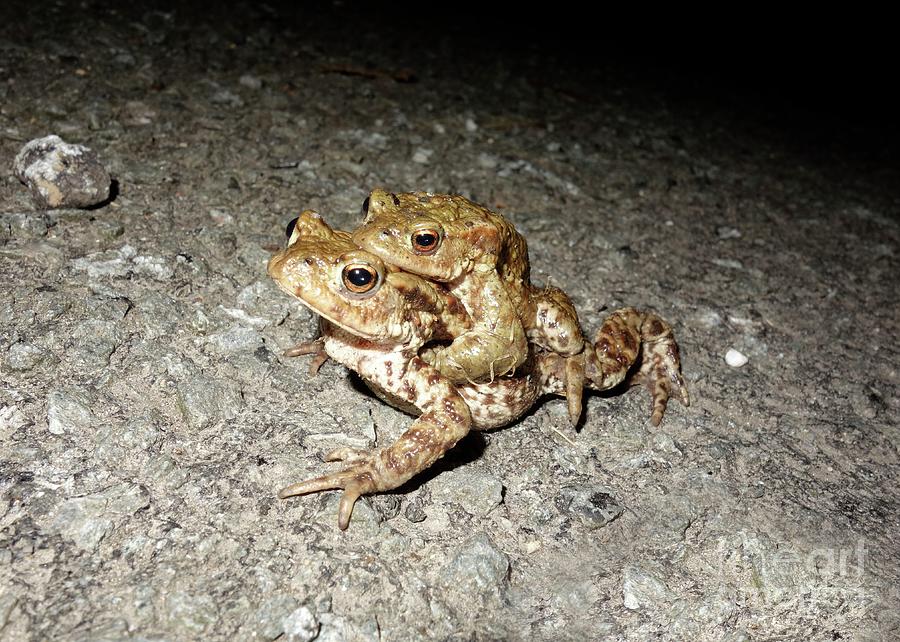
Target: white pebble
251,82
735,359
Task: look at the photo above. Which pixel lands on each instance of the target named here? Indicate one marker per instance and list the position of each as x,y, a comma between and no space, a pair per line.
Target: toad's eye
290,228
425,241
364,211
359,278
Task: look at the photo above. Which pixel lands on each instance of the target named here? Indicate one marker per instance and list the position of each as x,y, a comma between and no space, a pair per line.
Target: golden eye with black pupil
359,278
290,227
425,241
365,207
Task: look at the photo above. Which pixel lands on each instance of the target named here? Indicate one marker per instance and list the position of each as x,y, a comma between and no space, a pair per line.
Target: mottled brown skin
484,262
378,334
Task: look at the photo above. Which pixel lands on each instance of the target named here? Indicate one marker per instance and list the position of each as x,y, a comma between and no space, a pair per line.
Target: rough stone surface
147,419
474,492
478,567
300,626
59,174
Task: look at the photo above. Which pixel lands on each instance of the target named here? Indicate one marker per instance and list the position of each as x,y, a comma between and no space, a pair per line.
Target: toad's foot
445,420
629,336
357,479
660,369
316,348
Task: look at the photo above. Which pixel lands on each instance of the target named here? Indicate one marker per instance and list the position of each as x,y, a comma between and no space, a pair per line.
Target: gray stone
477,493
61,175
8,602
236,339
204,401
24,356
269,620
250,81
123,262
592,503
24,225
11,419
166,472
336,628
478,567
300,626
644,591
87,520
190,614
140,433
69,411
95,341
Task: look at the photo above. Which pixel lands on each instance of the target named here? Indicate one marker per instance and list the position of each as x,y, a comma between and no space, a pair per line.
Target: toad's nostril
385,233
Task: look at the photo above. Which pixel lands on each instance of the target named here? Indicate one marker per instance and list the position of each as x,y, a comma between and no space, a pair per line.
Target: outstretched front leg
316,348
629,336
444,421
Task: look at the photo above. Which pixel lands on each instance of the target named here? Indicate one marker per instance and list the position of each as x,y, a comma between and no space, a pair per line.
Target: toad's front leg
496,344
444,421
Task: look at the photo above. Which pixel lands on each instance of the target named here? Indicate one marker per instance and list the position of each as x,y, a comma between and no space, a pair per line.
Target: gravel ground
148,419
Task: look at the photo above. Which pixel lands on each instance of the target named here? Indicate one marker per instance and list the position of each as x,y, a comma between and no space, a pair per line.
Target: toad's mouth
355,331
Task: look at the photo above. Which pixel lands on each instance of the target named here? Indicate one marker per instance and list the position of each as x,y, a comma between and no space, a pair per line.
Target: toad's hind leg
555,328
660,369
629,336
443,423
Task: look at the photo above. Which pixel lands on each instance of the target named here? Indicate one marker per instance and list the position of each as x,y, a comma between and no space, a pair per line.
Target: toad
483,261
376,320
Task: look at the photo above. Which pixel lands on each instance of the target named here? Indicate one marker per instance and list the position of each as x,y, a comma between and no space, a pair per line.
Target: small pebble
69,411
642,590
478,567
735,359
477,493
271,615
61,175
24,356
725,232
300,626
250,82
593,504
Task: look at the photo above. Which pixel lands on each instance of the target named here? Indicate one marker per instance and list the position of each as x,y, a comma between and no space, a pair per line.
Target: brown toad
375,321
483,261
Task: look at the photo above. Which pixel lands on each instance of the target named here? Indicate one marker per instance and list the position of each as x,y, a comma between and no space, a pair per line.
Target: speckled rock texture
148,419
61,175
